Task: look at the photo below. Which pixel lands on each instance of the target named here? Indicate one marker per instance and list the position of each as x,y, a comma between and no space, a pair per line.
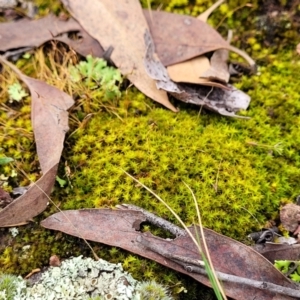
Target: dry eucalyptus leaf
183,37
178,37
83,45
219,68
5,198
32,203
49,118
33,33
120,25
215,68
274,252
225,102
191,70
121,228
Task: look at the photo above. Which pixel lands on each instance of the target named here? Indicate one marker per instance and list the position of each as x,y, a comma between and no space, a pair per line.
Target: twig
196,266
262,285
155,220
140,239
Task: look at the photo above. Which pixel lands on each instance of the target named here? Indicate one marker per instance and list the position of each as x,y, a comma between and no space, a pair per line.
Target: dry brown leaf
225,102
178,37
274,252
183,37
219,68
5,198
190,70
33,33
215,68
50,123
32,203
120,25
120,228
49,118
83,45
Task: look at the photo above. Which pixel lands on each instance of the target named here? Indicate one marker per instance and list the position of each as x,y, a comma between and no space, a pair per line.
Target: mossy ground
233,166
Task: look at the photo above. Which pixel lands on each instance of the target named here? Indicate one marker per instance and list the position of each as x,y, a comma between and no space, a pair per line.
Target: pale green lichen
81,279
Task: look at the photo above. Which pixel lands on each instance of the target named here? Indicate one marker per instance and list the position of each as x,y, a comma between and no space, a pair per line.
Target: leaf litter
33,33
122,27
188,64
225,102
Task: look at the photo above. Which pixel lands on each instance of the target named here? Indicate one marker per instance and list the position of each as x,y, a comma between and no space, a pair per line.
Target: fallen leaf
191,70
179,37
49,118
120,228
274,251
215,68
218,67
32,203
225,102
26,33
33,33
122,27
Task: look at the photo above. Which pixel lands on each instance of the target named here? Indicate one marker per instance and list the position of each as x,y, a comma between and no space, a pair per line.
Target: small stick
155,220
196,266
147,244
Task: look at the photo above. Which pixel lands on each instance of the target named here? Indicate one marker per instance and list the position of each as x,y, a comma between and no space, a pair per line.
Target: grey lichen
84,278
79,278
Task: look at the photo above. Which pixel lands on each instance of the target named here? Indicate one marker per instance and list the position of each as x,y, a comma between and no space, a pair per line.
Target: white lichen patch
84,279
80,278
